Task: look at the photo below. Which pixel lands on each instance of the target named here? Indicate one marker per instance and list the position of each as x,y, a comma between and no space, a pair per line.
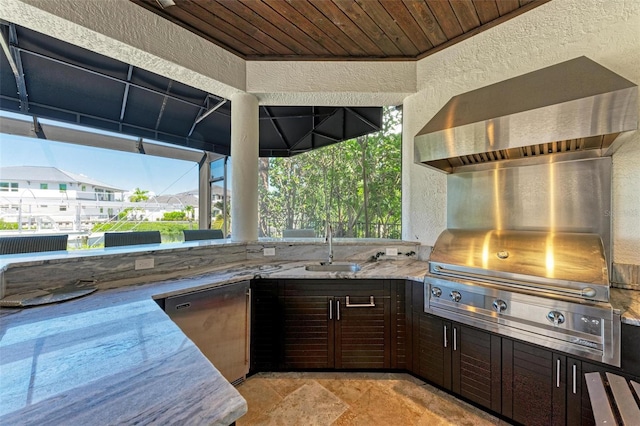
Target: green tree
355,183
189,211
139,195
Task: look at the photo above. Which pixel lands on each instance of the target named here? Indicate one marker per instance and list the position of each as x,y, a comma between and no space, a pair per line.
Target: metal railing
345,230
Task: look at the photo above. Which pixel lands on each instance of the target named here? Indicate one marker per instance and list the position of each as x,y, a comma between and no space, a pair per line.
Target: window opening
220,199
9,186
354,185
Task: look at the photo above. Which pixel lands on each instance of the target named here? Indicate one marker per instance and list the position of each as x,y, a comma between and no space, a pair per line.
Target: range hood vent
571,110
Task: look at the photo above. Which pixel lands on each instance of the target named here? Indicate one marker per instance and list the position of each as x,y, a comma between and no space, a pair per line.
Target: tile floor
338,399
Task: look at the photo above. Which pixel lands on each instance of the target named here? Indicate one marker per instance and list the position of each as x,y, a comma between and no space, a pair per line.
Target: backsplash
625,275
346,249
106,267
116,267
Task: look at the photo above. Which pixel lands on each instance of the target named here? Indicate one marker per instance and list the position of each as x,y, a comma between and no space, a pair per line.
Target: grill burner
506,282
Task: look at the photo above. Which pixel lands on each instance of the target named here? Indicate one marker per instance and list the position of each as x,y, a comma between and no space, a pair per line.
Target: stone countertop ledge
114,357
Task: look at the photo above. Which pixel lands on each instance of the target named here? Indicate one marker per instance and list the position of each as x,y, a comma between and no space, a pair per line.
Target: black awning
70,84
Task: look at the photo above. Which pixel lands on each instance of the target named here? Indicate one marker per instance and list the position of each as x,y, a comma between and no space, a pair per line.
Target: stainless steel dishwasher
217,320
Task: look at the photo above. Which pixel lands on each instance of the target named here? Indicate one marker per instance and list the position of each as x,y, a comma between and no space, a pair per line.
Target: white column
244,167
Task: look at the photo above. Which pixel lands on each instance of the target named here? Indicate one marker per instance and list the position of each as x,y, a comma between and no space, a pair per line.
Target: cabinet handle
330,309
455,338
338,310
574,379
445,336
558,373
371,304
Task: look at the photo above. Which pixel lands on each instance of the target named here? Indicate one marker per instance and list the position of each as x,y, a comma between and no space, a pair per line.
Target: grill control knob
455,296
555,317
499,305
436,291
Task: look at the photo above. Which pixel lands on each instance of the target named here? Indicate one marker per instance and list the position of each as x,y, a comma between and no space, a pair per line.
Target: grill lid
561,260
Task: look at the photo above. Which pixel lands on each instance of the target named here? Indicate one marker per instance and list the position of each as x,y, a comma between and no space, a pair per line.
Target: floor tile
347,389
260,399
353,399
311,404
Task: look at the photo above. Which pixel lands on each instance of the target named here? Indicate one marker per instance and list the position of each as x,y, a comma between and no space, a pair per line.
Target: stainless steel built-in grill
547,288
528,248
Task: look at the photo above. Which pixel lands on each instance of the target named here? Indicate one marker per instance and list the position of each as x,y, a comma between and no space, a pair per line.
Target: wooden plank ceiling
337,29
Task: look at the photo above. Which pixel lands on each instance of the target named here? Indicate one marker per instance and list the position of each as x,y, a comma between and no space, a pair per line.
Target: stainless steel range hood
574,109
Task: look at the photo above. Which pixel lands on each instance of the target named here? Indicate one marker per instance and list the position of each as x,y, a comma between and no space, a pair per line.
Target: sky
122,170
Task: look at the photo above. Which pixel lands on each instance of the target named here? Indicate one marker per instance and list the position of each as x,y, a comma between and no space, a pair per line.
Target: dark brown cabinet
326,324
462,359
337,324
267,325
310,324
476,363
363,332
434,353
534,384
459,358
579,411
309,332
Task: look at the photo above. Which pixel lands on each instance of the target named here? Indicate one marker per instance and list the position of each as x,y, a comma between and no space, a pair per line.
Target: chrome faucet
329,239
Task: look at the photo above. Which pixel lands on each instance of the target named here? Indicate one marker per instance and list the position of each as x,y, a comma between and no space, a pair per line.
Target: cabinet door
267,324
434,350
579,411
309,332
630,351
321,331
534,384
362,332
476,366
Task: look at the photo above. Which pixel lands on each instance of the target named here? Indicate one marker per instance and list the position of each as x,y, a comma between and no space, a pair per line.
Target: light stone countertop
114,357
628,301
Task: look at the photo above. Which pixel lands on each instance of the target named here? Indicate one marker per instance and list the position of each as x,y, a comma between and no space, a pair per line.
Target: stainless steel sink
333,267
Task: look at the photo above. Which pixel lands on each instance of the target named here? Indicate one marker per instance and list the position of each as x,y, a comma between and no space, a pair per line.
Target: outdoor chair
116,239
202,234
33,243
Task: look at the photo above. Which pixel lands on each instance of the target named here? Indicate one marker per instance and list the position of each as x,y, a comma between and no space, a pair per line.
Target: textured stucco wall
605,31
331,83
127,32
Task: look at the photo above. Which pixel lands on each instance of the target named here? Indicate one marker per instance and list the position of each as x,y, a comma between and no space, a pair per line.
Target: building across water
47,200
38,197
